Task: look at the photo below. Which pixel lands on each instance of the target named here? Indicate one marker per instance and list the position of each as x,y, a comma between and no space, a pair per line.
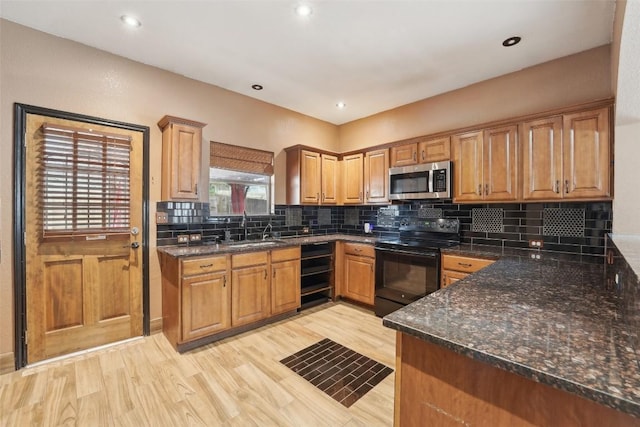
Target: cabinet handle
557,186
224,281
423,155
486,189
206,265
566,186
323,197
265,274
318,196
464,264
415,154
360,196
367,194
196,188
274,273
479,189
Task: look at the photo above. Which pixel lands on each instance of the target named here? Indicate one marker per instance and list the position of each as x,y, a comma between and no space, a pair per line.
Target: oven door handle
399,251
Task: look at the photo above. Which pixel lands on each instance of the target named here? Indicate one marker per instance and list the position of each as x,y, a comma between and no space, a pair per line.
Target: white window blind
85,182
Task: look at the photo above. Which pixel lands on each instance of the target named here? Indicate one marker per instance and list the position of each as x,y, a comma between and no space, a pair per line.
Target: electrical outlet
162,218
195,237
536,243
183,238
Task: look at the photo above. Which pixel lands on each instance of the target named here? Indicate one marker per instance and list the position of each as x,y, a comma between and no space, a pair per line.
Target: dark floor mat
337,370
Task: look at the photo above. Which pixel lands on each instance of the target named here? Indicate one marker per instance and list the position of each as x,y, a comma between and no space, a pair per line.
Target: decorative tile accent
387,216
488,220
293,217
324,216
340,372
563,222
351,217
426,212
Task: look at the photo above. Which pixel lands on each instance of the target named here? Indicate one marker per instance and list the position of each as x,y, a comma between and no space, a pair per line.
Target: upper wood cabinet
542,159
376,176
312,177
586,151
329,172
485,165
430,150
181,158
352,179
567,157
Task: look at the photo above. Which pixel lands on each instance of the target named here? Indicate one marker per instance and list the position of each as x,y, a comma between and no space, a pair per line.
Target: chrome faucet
243,223
264,232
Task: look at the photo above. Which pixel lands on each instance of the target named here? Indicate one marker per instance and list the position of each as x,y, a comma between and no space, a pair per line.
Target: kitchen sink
256,244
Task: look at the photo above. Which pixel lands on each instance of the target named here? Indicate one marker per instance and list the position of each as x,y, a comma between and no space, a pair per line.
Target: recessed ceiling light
257,87
303,10
130,21
511,41
341,105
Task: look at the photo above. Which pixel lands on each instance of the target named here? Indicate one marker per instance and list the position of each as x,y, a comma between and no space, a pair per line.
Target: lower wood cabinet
456,267
285,280
359,272
205,298
250,289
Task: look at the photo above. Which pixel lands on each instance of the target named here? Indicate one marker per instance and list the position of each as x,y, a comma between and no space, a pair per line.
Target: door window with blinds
240,180
85,185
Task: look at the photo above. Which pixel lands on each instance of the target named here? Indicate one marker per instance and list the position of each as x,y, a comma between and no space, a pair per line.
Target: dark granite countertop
552,322
258,245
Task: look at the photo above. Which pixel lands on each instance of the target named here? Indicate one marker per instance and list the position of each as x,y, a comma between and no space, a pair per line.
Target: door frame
19,180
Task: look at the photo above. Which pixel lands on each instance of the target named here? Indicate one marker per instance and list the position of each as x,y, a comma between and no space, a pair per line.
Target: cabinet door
249,294
352,178
205,305
329,172
449,277
500,164
310,175
404,155
586,154
434,150
285,286
359,280
541,147
376,176
181,166
467,158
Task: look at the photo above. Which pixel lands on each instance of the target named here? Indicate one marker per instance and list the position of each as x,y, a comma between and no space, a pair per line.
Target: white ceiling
372,54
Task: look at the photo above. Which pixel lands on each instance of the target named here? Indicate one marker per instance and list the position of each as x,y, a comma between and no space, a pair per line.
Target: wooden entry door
83,236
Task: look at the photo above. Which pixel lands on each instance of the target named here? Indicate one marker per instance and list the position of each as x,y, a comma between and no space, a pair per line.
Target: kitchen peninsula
521,342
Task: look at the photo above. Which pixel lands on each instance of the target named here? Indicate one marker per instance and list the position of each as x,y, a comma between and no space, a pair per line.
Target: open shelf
316,274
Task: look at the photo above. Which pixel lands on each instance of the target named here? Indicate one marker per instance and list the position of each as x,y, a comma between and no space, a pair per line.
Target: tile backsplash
578,228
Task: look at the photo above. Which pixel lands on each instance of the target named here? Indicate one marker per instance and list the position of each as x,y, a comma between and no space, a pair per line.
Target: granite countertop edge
180,251
528,372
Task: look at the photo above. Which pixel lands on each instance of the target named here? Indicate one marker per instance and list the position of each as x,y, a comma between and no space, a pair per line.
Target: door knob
135,245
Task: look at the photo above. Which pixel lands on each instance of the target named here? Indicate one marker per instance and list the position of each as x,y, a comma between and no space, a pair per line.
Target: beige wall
570,80
51,72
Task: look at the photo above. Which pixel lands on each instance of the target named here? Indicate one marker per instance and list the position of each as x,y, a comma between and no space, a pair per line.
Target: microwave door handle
430,181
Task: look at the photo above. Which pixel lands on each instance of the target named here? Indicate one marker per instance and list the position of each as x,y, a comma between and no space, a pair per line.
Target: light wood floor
235,382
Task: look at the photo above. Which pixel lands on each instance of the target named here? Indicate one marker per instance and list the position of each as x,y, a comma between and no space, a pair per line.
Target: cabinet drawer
465,264
193,266
359,249
249,259
285,254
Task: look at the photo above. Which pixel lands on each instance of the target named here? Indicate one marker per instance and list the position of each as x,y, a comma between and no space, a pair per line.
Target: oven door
403,277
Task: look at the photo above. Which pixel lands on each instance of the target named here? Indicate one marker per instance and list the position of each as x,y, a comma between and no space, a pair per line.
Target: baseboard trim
7,363
155,326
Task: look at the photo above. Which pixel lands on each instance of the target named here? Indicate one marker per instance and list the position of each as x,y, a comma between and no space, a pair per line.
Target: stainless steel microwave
423,181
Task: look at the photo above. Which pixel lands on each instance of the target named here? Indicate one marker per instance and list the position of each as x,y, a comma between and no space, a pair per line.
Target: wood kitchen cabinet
352,179
285,280
312,176
567,157
486,166
181,158
376,177
195,297
429,150
250,289
456,267
359,272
